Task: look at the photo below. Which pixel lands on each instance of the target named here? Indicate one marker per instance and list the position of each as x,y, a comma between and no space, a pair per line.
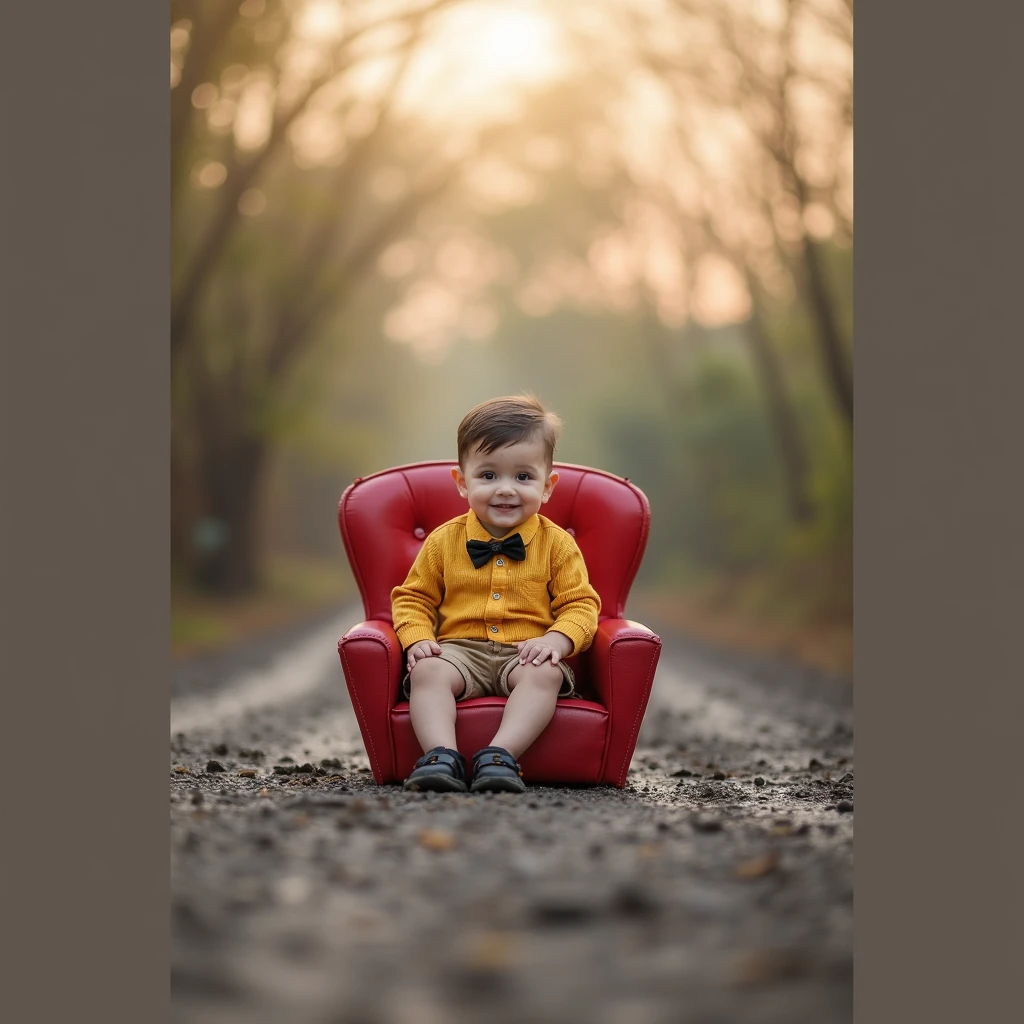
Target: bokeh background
385,211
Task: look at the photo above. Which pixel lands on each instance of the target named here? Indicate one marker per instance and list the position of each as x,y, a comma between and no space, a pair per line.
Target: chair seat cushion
570,750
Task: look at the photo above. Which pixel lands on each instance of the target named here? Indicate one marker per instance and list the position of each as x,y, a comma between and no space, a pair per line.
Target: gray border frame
937,518
85,513
86,430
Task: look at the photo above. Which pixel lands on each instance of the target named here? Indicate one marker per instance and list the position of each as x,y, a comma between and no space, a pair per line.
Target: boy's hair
499,422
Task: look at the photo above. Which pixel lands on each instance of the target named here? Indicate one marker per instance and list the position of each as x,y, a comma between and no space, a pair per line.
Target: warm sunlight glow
819,221
252,202
320,19
720,296
398,260
203,95
478,58
252,122
209,175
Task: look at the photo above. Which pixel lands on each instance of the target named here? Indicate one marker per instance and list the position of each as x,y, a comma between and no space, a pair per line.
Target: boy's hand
424,649
553,645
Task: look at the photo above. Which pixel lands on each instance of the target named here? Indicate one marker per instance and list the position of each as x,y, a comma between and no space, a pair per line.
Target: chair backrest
385,517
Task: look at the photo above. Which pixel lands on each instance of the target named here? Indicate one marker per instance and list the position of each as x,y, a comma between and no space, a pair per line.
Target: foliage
371,295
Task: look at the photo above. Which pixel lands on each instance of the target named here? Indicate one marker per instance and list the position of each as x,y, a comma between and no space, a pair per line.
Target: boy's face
507,486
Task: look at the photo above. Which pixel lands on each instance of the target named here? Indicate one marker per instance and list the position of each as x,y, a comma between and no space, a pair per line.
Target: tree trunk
232,476
788,439
209,31
837,371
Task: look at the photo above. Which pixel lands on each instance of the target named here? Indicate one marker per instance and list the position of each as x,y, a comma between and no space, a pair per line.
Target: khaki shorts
485,666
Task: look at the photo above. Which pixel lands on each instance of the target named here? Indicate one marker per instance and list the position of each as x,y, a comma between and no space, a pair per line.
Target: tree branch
205,40
243,174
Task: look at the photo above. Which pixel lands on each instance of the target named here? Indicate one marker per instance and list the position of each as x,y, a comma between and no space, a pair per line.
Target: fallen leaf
762,967
492,951
248,773
785,828
435,839
180,770
758,866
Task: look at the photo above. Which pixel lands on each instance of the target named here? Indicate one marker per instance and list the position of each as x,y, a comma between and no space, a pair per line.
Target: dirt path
717,887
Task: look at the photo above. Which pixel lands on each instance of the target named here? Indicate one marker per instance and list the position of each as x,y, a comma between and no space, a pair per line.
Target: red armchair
383,520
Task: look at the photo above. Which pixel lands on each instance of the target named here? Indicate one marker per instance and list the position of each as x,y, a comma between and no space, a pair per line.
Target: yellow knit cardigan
445,597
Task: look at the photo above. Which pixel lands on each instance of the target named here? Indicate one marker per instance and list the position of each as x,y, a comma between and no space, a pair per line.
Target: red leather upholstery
384,519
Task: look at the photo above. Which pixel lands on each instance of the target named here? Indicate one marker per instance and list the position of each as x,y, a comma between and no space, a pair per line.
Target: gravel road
716,888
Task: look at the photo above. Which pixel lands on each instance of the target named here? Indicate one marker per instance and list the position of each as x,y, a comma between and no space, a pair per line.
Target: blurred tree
578,256
243,316
758,72
584,239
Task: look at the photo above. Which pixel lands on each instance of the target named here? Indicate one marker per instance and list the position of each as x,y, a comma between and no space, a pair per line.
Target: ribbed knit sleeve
414,604
575,604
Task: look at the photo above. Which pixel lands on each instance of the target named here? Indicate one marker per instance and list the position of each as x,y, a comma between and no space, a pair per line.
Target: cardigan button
499,561
494,629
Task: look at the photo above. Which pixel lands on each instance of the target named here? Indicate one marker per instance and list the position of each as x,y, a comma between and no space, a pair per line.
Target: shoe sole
498,786
434,784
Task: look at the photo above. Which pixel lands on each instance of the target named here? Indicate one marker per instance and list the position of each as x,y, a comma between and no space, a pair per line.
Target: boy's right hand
424,649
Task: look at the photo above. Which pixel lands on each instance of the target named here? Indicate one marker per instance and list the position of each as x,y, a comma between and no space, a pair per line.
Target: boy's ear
460,481
549,485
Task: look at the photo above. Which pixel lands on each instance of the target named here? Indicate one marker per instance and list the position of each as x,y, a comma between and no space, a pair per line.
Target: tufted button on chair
384,519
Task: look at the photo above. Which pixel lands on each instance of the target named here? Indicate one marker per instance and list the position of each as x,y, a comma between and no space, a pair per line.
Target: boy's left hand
553,645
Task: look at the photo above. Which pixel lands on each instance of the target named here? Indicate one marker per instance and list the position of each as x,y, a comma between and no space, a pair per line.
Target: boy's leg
530,706
433,686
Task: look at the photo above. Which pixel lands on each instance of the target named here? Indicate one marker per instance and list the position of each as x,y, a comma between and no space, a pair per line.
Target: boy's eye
488,475
523,476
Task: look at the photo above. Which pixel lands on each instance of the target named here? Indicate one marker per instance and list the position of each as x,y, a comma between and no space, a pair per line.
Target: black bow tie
481,550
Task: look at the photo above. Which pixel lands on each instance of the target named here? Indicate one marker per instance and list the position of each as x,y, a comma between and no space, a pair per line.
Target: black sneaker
441,770
495,770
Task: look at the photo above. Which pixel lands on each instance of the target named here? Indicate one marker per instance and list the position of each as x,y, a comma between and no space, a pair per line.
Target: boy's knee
436,672
427,669
547,676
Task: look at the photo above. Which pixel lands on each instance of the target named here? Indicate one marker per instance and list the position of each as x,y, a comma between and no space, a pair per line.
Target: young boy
495,601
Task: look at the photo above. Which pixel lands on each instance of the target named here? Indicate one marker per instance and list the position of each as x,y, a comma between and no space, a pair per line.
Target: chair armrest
620,664
371,658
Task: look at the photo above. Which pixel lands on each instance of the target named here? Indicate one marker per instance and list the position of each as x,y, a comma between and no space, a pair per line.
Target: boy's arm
414,604
574,602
